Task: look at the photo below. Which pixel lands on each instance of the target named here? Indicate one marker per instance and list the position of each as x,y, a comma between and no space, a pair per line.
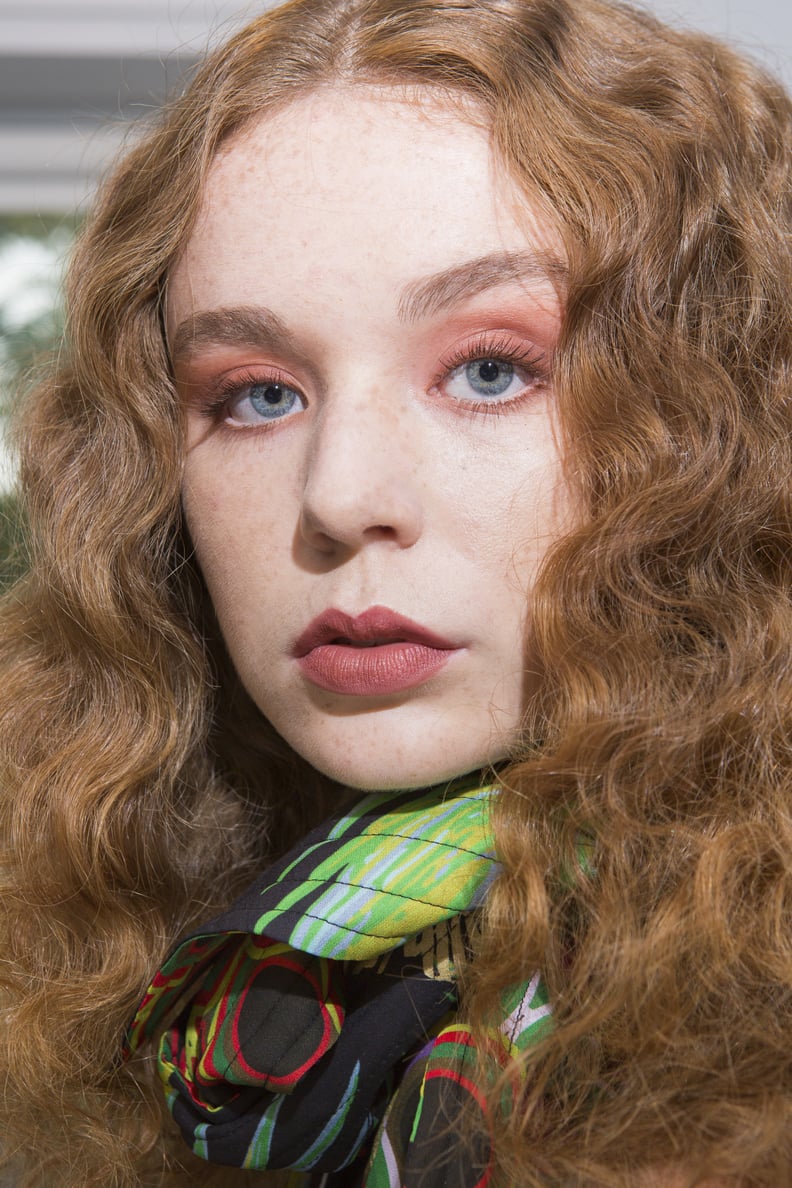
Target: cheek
510,512
239,530
235,497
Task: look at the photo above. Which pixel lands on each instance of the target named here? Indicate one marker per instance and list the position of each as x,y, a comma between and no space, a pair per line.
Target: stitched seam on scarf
424,841
349,928
361,887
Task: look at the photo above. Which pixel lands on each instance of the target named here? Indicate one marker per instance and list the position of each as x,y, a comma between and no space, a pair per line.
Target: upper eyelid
502,342
192,370
252,374
499,344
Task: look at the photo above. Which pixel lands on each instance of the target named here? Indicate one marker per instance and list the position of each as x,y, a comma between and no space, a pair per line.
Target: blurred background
78,76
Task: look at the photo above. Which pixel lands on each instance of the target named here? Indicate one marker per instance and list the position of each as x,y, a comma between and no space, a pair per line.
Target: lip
372,654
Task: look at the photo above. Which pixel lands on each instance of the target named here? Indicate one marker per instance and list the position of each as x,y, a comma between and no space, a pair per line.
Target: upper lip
378,624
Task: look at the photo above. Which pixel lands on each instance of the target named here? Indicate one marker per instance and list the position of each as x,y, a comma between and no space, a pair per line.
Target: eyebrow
258,326
429,296
233,326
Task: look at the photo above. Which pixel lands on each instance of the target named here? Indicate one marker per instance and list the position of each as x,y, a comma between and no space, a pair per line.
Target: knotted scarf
327,985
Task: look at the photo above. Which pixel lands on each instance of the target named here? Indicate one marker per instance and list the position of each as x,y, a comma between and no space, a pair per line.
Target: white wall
762,28
75,73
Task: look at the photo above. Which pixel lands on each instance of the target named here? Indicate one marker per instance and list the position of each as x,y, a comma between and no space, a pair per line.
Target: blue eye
258,401
483,379
272,400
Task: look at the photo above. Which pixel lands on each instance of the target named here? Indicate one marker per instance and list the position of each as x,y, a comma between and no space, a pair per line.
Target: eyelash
217,406
499,348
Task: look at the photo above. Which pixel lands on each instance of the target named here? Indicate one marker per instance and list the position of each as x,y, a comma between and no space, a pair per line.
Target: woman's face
362,326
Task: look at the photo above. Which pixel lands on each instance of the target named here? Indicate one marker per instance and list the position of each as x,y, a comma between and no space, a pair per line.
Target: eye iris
489,377
272,400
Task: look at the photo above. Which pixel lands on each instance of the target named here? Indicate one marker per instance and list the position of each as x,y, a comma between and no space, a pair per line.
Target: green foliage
12,548
32,250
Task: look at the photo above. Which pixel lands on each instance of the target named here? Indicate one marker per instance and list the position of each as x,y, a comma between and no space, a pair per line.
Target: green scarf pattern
314,1022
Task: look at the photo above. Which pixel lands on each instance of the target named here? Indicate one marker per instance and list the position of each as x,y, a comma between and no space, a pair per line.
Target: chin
411,746
382,771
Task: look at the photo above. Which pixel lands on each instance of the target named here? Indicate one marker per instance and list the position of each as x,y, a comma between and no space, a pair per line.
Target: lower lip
372,672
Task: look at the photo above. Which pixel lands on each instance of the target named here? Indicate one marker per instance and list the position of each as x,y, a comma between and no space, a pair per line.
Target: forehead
354,181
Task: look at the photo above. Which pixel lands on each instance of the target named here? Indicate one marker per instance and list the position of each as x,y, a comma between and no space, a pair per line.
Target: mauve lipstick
370,655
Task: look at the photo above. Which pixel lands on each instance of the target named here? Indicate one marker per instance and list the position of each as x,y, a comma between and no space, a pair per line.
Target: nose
362,481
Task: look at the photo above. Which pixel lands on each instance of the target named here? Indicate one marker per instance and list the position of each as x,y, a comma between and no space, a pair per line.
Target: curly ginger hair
135,799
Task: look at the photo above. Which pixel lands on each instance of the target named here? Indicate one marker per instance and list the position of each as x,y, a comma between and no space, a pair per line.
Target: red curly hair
134,804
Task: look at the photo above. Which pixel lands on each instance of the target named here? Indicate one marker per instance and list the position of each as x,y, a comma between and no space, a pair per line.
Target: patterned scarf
328,985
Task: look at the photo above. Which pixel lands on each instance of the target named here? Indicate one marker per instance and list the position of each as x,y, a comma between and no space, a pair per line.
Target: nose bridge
360,480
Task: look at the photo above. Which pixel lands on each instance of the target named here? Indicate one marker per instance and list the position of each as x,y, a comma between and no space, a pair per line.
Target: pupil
273,394
489,377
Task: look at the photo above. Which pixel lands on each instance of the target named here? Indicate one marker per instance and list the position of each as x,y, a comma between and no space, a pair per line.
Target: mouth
373,654
375,628
343,642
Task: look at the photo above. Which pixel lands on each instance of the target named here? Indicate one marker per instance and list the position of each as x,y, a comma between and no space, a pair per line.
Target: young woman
416,472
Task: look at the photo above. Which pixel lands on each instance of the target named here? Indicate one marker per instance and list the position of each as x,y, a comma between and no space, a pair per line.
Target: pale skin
362,250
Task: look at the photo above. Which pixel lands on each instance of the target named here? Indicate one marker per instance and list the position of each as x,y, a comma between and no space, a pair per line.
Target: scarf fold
295,1009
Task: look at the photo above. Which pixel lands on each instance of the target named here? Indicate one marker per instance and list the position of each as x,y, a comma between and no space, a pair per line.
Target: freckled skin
381,486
